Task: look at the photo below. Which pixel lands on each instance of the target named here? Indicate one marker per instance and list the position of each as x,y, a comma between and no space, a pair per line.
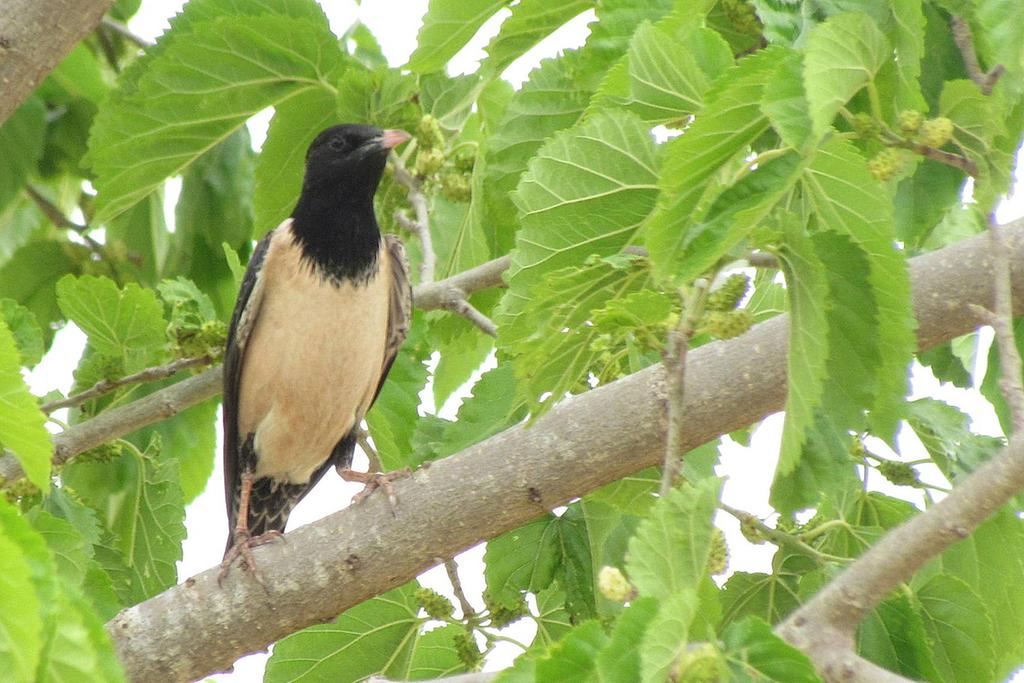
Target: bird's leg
374,480
244,540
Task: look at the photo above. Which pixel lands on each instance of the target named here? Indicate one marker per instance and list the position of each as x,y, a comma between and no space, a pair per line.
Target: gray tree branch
34,37
585,442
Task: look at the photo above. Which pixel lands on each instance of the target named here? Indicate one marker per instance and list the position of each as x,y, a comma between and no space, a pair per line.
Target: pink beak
393,138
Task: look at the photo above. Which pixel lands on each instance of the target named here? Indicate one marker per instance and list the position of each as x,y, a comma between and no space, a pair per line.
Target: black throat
339,235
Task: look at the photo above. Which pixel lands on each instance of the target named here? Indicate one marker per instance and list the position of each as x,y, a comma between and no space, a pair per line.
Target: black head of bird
347,161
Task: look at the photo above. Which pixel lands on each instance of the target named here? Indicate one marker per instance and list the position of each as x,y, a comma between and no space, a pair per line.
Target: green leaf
620,660
524,559
139,501
530,22
361,642
463,349
22,424
553,622
755,653
599,178
198,90
991,562
447,26
730,121
807,289
30,275
363,45
768,596
78,648
908,39
24,327
959,629
576,573
552,99
669,552
392,420
633,494
126,323
667,633
784,101
21,622
893,637
71,551
552,337
449,100
843,55
573,657
216,193
282,161
81,75
21,138
945,433
839,188
430,655
493,407
385,96
977,122
668,70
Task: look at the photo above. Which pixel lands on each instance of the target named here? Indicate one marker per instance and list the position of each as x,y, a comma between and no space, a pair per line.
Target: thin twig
781,538
122,29
1000,318
421,225
964,39
105,386
452,570
57,217
948,158
458,303
675,367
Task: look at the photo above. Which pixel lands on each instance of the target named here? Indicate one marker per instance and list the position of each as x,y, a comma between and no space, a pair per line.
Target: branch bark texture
326,567
34,36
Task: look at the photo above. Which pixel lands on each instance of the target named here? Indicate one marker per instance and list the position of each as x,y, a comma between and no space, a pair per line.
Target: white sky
395,23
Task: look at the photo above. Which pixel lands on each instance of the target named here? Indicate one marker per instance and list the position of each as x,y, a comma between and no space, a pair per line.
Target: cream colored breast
312,364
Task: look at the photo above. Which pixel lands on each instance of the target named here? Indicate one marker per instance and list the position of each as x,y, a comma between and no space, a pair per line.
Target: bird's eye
337,144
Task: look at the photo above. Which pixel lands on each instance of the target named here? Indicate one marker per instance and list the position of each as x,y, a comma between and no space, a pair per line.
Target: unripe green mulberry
701,663
886,164
718,553
501,615
732,291
466,648
456,187
728,324
613,584
899,473
866,126
428,161
751,533
910,121
429,133
936,132
434,604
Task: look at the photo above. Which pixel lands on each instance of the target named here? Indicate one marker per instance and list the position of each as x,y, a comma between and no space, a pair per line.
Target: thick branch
34,37
583,443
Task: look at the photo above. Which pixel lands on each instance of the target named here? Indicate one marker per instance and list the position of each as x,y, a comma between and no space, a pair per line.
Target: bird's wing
247,308
399,305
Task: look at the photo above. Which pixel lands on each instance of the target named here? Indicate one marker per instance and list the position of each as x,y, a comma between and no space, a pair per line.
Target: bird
323,308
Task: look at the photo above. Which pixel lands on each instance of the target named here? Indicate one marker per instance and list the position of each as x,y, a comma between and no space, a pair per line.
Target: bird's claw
373,481
242,548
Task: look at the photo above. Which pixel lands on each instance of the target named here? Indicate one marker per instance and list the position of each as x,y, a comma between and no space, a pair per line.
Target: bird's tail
270,504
